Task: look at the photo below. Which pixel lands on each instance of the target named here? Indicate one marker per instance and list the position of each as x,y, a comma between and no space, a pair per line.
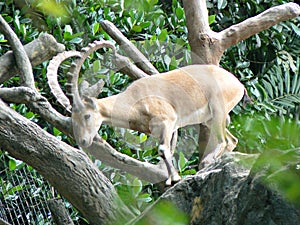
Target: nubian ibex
157,105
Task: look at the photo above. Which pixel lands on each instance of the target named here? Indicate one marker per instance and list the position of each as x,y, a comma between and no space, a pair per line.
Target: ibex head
86,119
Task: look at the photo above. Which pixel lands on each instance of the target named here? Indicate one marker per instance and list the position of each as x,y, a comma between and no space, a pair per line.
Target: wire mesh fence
24,195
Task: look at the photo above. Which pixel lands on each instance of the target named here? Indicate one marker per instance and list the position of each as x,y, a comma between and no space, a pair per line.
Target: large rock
228,193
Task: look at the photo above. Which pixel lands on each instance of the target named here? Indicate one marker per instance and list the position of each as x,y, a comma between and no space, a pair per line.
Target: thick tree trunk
229,192
68,169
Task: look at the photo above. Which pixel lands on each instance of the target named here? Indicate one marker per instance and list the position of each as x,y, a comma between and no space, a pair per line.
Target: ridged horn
53,77
73,74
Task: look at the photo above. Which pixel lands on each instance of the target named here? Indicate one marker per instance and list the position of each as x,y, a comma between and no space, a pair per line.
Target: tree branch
38,51
38,104
68,169
21,57
124,65
140,60
208,46
253,25
203,41
100,149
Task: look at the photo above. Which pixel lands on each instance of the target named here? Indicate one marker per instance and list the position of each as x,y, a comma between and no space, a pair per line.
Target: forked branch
21,57
208,46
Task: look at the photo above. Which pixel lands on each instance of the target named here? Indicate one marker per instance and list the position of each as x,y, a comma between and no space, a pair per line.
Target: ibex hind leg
216,142
231,141
174,141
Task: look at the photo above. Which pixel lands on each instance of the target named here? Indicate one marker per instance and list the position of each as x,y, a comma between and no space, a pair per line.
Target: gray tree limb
238,32
139,59
68,169
21,58
208,46
38,51
124,65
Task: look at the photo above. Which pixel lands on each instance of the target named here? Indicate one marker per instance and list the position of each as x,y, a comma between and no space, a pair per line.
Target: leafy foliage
267,63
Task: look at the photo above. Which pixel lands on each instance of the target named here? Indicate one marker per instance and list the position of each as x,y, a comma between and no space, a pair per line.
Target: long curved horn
52,77
73,74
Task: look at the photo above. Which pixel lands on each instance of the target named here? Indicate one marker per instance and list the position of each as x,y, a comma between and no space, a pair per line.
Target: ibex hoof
173,180
169,182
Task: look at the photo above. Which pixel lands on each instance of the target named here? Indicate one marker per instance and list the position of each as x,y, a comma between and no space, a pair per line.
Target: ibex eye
86,117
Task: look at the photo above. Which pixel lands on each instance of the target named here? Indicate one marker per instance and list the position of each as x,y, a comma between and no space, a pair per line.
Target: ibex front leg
164,130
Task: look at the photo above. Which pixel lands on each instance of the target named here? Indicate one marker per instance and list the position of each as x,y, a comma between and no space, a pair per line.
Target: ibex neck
114,110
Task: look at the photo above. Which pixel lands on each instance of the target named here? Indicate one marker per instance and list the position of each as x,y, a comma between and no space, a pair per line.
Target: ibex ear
90,101
91,91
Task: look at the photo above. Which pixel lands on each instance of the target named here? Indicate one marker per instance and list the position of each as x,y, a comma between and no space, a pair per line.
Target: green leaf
76,40
182,162
12,164
29,115
17,21
222,4
96,66
114,78
211,19
96,28
56,132
296,29
145,197
179,13
163,35
68,29
137,28
189,172
167,60
143,137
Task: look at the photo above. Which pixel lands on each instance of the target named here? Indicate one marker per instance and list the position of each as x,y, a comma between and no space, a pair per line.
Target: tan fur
160,104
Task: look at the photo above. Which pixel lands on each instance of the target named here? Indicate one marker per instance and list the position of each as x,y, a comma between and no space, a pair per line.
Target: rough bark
228,192
59,213
208,46
38,51
68,169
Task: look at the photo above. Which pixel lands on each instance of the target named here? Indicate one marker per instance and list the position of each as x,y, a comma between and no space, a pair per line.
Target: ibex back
160,104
